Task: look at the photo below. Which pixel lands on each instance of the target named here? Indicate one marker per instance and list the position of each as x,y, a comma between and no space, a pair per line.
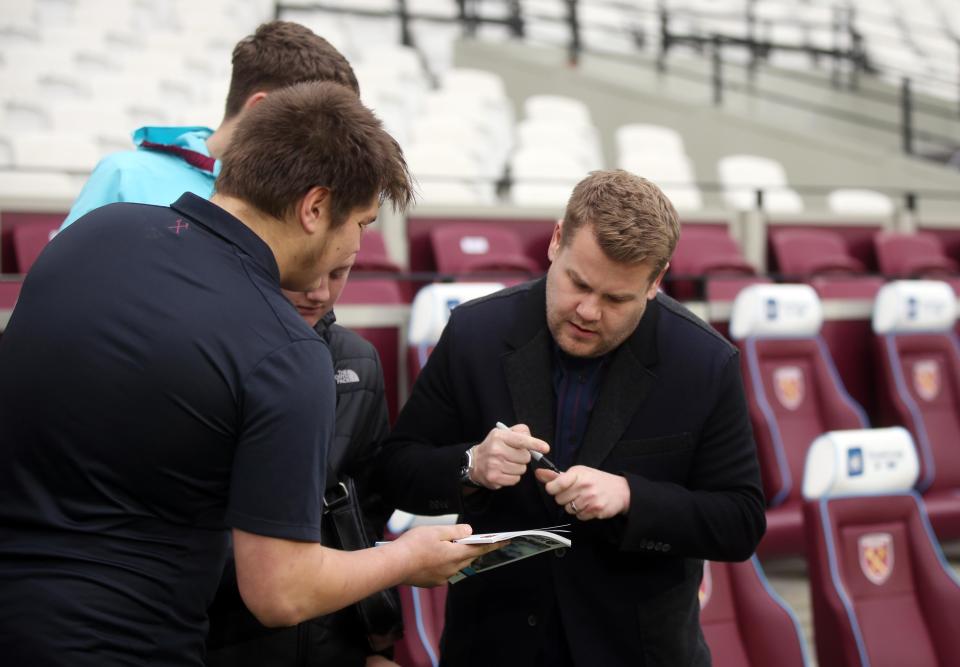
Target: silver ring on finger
573,506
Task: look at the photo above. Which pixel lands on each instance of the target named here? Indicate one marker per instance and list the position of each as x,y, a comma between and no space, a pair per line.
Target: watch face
465,470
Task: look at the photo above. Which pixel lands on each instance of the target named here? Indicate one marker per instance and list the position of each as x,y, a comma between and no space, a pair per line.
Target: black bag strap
380,612
336,455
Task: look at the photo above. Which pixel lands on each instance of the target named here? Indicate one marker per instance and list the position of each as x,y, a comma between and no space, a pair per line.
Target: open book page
523,544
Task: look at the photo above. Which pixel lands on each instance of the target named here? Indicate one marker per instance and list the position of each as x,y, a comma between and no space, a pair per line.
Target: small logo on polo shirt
347,376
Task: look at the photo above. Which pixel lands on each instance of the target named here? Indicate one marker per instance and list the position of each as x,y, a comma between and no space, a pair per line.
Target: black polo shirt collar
219,222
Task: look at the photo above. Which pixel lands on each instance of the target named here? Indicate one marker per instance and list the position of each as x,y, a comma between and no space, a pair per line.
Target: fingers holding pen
567,491
502,458
588,493
562,487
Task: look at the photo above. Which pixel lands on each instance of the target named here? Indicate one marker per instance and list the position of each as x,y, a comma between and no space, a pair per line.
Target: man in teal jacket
169,161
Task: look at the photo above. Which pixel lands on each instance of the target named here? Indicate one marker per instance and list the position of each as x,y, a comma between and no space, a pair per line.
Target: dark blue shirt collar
568,362
219,222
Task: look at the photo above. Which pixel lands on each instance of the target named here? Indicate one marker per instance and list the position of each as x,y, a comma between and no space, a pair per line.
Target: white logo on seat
346,376
474,245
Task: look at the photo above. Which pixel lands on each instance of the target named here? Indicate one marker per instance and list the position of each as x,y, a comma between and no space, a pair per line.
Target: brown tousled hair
632,220
307,135
279,54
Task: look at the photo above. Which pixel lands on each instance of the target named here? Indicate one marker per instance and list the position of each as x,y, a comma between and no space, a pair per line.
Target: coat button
531,620
658,546
560,553
666,548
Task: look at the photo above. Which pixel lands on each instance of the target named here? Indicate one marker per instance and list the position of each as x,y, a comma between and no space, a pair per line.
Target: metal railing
848,57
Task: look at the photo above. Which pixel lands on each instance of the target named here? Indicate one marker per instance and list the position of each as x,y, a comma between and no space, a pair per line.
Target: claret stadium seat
912,256
916,256
423,613
711,257
794,394
29,241
423,608
462,249
822,259
373,255
918,357
745,623
882,593
374,276
802,254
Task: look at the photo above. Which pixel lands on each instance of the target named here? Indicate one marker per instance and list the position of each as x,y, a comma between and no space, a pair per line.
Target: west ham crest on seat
875,552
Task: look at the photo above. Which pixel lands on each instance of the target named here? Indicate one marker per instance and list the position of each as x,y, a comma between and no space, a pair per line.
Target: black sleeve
288,417
418,469
369,430
719,513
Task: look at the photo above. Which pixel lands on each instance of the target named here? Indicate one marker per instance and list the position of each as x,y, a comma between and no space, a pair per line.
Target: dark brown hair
632,220
313,134
281,53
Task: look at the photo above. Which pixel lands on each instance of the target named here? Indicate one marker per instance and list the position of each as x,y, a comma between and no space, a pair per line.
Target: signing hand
587,493
433,556
502,458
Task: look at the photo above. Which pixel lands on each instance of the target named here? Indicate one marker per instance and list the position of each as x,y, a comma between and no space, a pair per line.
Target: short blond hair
633,221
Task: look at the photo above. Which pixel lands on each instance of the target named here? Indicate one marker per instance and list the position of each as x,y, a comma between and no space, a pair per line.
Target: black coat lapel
626,382
529,366
529,371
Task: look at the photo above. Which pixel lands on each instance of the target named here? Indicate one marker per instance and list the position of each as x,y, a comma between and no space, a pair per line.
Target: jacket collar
184,142
219,222
324,323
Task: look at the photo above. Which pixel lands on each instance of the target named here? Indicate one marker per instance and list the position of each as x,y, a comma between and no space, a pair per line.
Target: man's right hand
434,557
502,458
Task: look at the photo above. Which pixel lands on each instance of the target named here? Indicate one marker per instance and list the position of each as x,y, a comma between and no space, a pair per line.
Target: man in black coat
645,412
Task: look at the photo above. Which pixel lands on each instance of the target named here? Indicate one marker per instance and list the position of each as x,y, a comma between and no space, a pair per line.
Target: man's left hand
587,493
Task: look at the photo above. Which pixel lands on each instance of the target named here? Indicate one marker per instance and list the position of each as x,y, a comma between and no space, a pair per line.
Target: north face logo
346,376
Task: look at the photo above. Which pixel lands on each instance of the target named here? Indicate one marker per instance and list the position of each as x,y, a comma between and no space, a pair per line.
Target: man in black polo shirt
156,388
